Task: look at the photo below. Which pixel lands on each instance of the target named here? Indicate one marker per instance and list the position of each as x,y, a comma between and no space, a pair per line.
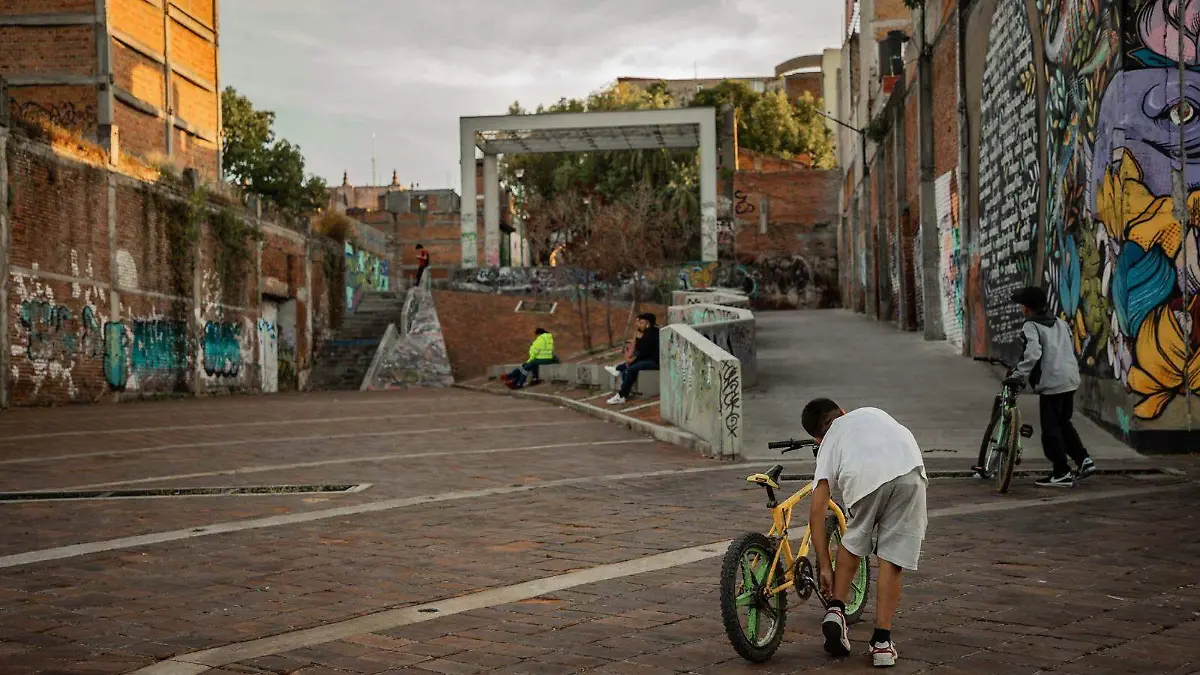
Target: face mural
1104,238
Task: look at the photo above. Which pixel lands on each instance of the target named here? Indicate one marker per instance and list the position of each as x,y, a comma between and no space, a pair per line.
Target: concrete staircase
343,361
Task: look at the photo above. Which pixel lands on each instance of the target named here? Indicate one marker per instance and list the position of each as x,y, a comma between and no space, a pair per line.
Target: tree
258,162
772,124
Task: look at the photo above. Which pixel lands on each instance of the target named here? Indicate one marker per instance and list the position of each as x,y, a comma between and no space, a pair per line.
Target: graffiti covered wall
1077,121
365,272
108,299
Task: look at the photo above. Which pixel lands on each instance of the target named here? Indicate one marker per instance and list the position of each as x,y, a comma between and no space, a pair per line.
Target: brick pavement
116,611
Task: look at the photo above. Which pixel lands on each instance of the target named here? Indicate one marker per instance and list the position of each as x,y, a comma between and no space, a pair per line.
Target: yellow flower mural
1130,212
1162,362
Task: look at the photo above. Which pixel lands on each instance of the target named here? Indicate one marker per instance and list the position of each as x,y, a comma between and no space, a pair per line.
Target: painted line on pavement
285,439
276,403
259,423
344,460
77,550
203,661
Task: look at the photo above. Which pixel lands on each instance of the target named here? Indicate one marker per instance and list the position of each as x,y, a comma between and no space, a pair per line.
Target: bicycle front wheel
753,619
860,586
1009,448
987,447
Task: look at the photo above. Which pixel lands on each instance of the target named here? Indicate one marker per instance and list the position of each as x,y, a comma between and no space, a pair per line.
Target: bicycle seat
769,479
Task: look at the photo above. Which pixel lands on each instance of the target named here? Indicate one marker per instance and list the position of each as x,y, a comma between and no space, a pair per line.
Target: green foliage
254,159
236,240
771,124
877,130
182,219
606,176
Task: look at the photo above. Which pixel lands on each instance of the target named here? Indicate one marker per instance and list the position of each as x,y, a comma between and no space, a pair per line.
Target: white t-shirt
864,449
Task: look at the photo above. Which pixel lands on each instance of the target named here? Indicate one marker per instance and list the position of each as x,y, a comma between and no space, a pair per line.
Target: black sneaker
1065,480
1086,468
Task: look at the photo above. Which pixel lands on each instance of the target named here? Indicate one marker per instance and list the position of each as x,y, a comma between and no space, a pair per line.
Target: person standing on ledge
422,262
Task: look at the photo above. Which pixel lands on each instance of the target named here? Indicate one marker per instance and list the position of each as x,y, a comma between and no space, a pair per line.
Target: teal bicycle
1000,450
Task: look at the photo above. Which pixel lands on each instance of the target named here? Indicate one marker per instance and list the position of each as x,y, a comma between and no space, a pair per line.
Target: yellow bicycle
759,569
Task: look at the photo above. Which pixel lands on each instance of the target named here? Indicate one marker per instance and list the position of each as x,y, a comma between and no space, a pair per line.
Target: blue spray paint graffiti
159,348
364,272
222,349
116,365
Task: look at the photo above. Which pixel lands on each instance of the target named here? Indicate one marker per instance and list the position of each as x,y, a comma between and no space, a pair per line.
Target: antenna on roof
374,176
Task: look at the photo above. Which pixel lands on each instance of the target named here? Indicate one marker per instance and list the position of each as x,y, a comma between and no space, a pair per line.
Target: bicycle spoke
752,625
745,599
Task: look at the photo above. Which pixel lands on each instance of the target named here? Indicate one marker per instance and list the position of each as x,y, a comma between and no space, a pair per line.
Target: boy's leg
630,376
1053,442
1073,443
901,523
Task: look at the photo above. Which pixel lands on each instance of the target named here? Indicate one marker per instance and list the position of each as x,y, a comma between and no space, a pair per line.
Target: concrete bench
587,376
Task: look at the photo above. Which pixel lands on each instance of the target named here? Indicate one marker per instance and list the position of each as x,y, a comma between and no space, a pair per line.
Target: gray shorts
890,522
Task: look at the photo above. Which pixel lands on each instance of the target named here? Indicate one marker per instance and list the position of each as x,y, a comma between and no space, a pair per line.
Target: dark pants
529,368
421,273
629,375
1060,441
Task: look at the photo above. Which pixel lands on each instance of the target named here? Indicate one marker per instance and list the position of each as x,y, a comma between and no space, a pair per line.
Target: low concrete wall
413,354
730,328
702,389
711,296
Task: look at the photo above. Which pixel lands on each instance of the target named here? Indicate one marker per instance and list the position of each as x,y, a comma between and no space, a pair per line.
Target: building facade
137,77
1047,144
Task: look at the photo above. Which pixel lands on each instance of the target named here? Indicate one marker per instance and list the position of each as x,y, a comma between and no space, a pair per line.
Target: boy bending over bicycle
1049,364
877,465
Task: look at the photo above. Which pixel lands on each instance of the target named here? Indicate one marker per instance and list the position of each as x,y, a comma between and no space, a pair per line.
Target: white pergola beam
581,132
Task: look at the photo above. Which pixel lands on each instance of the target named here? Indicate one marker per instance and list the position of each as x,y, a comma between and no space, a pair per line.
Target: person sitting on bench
645,357
541,353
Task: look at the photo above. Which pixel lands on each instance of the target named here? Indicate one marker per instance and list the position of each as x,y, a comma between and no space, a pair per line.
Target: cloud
336,72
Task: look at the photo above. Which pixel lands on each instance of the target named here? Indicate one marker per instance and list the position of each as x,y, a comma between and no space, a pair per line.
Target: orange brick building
140,77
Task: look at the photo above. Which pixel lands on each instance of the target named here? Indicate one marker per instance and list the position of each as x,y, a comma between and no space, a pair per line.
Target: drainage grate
153,493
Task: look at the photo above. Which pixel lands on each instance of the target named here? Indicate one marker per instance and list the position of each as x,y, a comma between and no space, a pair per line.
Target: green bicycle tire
860,588
753,647
1009,448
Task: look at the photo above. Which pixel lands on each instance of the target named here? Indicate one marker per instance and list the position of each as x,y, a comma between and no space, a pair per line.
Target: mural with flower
1119,265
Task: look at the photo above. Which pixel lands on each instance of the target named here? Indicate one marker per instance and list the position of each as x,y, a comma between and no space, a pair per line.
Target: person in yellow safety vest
541,353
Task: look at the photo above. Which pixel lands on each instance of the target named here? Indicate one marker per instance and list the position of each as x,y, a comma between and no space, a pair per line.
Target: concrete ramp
413,354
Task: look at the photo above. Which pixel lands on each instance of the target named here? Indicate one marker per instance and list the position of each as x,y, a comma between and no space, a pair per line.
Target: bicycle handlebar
791,444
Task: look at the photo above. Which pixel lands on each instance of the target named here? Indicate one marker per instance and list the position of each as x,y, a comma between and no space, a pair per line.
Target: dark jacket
647,346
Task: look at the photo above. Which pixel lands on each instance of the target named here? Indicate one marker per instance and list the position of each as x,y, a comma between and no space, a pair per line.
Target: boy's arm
1033,351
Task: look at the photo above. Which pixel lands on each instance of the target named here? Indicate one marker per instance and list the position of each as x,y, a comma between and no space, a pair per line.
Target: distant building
815,74
431,217
160,59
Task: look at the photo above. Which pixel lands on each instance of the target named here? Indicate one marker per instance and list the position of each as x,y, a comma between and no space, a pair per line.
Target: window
759,86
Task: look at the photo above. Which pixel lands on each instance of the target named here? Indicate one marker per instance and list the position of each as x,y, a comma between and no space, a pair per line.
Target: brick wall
138,45
103,309
945,102
793,263
482,330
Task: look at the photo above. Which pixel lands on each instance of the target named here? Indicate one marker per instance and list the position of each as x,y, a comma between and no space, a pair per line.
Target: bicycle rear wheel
860,586
1008,449
753,620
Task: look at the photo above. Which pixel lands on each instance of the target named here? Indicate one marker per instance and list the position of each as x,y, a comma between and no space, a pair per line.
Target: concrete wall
730,328
414,353
710,296
109,294
701,389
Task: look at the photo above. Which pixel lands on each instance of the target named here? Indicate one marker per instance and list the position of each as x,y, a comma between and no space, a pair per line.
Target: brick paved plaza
534,539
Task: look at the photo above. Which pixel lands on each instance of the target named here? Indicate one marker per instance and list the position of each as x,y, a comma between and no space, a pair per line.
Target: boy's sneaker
617,399
837,636
612,370
883,654
1063,481
1086,468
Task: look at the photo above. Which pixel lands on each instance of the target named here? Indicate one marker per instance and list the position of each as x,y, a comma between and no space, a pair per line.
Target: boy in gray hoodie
1048,363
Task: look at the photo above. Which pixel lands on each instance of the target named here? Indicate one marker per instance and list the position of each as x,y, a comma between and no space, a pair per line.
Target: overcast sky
336,71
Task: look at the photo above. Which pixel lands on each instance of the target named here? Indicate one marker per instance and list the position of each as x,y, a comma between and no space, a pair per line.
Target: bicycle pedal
1026,431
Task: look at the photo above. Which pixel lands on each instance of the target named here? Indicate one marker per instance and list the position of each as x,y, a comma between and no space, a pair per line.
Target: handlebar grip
777,445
